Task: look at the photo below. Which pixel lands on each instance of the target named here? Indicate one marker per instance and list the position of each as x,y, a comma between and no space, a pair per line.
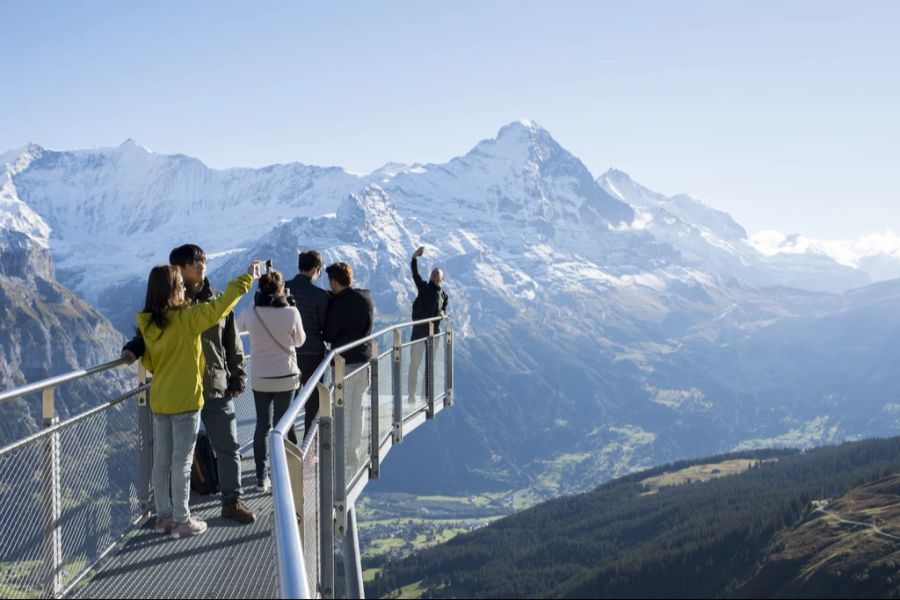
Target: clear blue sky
784,114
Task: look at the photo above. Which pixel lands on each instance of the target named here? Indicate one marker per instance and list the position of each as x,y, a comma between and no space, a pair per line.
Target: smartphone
269,266
256,270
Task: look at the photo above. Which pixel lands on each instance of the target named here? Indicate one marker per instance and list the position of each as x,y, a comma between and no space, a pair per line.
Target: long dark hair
162,293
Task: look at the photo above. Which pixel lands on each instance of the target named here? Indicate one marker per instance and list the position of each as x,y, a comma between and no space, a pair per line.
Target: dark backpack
205,468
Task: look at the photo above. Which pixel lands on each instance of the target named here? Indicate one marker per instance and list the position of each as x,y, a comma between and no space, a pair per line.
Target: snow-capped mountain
111,212
596,317
712,240
877,254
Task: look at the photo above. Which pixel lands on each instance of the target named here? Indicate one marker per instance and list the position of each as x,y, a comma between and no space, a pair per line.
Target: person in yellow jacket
171,330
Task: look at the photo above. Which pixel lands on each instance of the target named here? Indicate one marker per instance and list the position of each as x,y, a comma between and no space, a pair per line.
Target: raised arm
201,317
420,284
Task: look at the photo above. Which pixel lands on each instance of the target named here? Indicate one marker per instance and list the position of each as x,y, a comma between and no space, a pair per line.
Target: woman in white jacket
276,330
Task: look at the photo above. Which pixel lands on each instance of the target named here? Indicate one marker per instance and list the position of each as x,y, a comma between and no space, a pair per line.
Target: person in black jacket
350,318
224,378
313,303
431,301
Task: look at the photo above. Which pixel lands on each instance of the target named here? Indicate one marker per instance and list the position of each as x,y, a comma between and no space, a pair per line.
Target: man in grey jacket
313,303
223,380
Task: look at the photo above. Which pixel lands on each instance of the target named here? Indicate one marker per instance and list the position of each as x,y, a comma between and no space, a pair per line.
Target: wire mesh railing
385,395
357,424
70,492
309,512
413,377
440,374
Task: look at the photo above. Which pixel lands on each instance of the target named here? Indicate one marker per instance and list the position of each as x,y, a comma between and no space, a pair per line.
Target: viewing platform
78,495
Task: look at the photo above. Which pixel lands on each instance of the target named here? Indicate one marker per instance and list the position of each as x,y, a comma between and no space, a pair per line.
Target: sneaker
163,525
189,528
263,485
237,510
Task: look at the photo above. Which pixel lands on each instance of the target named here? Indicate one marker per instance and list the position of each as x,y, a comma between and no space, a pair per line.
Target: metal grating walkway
230,560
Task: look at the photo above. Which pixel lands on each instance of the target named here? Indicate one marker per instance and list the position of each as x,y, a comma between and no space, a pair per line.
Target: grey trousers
221,428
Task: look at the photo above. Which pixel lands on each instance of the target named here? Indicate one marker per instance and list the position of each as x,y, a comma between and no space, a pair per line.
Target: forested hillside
722,537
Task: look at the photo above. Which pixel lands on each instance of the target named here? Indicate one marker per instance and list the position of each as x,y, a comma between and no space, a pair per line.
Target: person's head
310,263
437,276
340,276
271,283
191,259
165,292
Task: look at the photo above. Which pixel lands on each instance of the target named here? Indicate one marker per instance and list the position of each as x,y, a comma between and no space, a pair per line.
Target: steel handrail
306,391
292,583
290,564
71,421
39,386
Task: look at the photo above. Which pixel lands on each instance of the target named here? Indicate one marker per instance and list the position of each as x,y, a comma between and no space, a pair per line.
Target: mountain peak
15,161
524,128
522,141
613,173
132,144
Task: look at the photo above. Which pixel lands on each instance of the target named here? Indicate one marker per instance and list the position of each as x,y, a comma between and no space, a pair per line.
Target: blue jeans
173,452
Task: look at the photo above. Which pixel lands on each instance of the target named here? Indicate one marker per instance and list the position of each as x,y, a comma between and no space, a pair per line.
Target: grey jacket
223,352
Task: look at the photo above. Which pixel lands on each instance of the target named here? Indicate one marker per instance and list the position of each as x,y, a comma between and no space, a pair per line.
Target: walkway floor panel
230,560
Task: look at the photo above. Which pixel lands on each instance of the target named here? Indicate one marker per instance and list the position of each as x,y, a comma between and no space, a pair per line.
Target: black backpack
205,468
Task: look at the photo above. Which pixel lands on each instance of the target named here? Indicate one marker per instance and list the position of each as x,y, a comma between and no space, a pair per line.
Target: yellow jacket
173,354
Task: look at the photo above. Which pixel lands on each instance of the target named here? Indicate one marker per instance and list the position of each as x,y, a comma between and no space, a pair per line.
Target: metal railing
74,489
364,411
71,490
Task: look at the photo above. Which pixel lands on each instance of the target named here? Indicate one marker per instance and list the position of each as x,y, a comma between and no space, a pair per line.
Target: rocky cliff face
46,330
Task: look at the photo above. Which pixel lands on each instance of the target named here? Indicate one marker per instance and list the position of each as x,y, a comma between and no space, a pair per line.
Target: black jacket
312,301
223,352
430,301
350,318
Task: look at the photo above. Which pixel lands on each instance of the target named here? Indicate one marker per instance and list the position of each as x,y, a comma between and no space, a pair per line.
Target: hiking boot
163,525
263,485
189,528
238,511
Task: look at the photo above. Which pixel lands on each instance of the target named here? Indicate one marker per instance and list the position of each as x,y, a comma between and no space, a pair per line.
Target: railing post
326,494
353,577
340,447
52,548
145,444
374,455
429,370
448,366
398,389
